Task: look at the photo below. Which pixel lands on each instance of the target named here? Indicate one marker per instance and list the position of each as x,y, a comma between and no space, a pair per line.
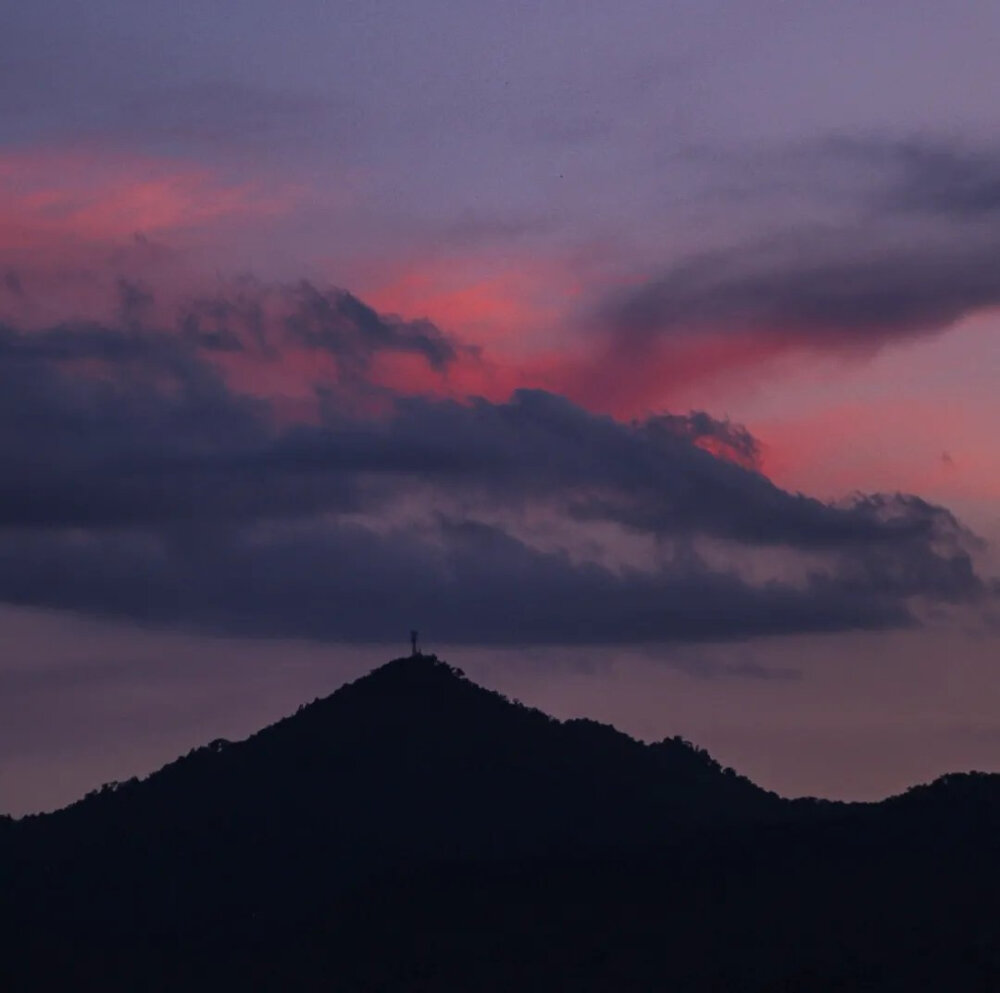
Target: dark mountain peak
414,813
412,672
415,681
419,695
467,769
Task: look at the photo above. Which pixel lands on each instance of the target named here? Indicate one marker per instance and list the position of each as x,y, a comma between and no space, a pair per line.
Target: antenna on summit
413,643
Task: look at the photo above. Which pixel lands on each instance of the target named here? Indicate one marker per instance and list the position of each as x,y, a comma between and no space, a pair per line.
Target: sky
641,355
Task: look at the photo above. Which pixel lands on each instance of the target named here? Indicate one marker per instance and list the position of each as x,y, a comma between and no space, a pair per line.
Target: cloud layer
913,250
146,480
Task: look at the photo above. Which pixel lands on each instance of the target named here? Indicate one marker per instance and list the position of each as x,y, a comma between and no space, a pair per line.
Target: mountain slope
412,763
415,831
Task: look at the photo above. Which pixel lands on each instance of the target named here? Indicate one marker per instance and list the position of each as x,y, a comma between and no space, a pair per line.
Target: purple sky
642,355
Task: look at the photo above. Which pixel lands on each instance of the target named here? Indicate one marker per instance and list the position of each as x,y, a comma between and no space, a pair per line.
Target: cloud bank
910,249
145,480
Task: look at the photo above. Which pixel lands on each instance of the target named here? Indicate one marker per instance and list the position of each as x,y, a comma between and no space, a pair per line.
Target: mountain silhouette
416,831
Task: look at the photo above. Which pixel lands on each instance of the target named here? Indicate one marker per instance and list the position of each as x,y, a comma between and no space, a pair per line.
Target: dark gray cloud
955,181
265,317
342,324
467,583
248,316
823,289
138,484
721,437
914,253
651,475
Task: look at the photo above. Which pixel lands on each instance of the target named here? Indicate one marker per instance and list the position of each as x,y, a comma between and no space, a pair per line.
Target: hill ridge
416,821
411,679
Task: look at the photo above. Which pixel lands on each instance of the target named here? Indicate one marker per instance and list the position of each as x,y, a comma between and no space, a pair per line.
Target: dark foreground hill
414,831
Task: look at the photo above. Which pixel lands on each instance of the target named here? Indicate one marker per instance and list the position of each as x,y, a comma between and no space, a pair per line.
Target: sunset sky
643,355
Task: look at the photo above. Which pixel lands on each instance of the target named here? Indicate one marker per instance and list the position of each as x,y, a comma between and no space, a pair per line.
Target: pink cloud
56,203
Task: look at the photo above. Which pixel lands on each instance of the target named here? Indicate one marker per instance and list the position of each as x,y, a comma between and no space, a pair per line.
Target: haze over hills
416,831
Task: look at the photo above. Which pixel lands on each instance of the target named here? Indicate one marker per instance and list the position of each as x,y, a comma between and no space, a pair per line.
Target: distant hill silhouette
414,831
